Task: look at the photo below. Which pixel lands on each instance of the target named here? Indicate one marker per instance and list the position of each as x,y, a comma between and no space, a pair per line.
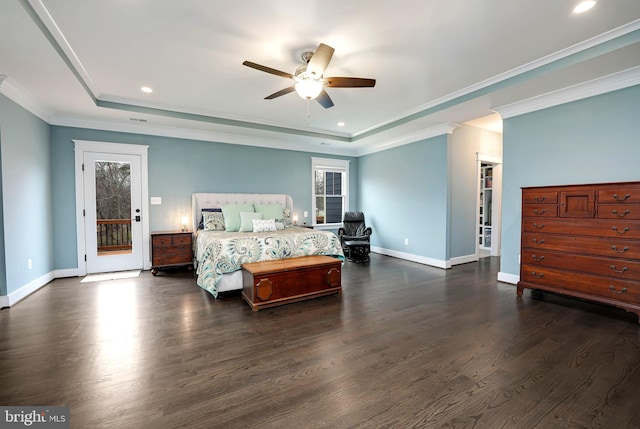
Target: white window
330,190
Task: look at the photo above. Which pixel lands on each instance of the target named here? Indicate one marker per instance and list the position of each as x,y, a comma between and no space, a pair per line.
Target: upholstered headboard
201,201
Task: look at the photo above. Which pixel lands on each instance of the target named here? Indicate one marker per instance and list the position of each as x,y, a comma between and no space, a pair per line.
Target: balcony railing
114,235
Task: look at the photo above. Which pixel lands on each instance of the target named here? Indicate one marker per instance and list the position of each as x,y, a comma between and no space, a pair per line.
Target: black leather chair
355,237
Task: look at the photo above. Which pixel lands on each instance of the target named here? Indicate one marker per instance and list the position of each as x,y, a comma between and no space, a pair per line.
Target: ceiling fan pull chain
308,114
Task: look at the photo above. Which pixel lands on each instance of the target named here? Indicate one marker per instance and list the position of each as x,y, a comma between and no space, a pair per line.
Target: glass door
113,201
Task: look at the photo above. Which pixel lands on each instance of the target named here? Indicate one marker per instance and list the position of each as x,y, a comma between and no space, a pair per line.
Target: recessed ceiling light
584,6
341,124
146,89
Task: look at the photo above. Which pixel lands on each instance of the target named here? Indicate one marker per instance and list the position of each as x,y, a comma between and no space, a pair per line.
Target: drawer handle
538,275
626,212
613,289
537,258
539,212
615,228
617,198
535,225
613,267
616,249
540,199
535,240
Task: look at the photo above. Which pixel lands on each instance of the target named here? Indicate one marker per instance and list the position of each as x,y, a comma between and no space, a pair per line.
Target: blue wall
594,140
26,196
404,194
464,145
178,168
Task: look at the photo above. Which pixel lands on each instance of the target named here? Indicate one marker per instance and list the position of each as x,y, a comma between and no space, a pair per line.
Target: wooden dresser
170,249
583,241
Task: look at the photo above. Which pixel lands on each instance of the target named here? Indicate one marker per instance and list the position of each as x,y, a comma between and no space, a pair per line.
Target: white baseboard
464,259
508,278
413,258
27,290
4,301
68,272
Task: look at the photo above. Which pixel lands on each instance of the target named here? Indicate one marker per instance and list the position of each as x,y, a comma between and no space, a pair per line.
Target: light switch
156,200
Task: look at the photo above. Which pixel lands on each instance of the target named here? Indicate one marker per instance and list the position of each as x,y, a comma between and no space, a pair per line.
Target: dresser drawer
618,211
161,240
171,240
623,290
613,228
614,248
537,197
540,210
165,259
611,267
619,195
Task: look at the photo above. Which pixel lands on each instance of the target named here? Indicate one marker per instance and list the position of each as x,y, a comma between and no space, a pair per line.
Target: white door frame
496,239
82,146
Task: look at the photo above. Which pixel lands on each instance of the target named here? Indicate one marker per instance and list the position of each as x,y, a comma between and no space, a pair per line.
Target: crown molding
142,107
20,96
437,130
612,82
277,142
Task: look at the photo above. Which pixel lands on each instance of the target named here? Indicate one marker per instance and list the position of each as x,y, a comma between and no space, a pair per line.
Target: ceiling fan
309,78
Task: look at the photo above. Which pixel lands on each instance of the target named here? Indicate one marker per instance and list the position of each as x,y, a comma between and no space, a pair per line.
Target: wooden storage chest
271,283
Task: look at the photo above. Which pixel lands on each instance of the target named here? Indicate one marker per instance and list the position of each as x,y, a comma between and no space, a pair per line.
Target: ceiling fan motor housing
306,56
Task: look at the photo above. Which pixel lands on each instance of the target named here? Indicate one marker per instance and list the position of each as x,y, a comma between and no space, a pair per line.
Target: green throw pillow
245,220
231,215
269,211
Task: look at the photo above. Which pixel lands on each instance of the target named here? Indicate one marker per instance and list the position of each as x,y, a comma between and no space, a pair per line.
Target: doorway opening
489,202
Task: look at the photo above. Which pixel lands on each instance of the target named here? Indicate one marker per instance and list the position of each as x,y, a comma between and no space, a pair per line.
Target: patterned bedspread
220,252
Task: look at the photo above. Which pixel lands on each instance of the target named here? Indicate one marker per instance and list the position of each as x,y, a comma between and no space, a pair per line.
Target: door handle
138,218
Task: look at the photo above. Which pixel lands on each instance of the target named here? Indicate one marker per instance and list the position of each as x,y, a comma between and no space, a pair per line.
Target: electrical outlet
29,263
406,241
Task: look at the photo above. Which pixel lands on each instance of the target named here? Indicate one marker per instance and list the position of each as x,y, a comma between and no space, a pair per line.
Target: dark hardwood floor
405,346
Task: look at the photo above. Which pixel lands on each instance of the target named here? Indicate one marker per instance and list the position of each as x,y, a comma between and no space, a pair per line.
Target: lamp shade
308,88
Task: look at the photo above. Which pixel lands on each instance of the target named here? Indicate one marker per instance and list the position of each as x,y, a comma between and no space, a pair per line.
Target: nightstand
171,249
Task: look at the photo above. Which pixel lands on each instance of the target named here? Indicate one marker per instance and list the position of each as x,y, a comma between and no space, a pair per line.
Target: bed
219,251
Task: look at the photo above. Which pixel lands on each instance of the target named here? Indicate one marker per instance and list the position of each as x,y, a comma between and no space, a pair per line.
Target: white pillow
263,225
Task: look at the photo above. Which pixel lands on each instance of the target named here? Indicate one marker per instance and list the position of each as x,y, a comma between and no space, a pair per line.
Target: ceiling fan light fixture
308,88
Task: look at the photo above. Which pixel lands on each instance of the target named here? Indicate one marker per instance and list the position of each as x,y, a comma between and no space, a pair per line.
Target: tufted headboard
201,201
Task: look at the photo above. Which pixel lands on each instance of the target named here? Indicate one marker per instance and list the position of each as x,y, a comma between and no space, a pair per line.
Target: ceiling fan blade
279,93
324,99
349,82
267,69
320,60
